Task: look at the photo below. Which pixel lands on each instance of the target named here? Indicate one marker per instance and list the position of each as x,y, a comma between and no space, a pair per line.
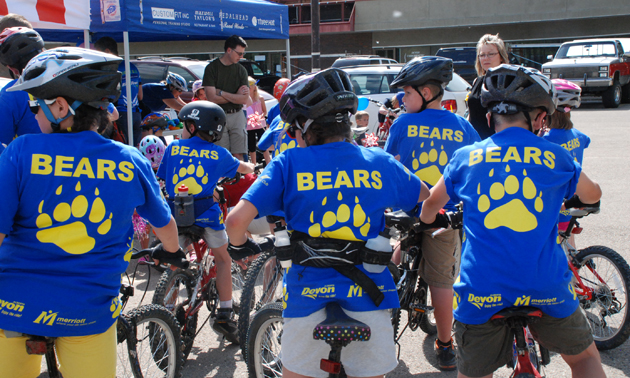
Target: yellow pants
78,357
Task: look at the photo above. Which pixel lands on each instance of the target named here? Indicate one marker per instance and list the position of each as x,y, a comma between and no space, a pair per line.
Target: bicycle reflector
329,366
450,105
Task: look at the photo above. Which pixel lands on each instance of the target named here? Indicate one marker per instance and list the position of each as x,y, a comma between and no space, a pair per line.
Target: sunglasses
35,104
239,53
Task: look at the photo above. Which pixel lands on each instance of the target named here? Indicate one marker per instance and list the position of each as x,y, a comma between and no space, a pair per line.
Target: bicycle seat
339,327
400,218
511,315
194,231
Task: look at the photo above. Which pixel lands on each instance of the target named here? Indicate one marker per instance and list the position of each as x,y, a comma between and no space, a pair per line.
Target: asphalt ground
607,161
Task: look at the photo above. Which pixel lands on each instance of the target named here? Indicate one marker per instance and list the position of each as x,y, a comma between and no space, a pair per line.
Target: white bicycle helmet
86,76
176,81
568,94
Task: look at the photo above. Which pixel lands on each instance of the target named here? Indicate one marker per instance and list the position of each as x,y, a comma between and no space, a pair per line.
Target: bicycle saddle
526,314
400,218
194,231
339,327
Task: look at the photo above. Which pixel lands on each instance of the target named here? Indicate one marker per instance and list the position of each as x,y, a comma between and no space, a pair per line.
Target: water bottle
378,244
284,252
184,213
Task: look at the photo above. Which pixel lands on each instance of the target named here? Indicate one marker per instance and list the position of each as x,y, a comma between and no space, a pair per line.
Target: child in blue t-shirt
334,195
561,132
512,186
65,217
424,140
196,162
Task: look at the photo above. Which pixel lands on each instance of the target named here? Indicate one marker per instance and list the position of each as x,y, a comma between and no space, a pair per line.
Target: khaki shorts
301,353
440,258
483,348
234,138
79,356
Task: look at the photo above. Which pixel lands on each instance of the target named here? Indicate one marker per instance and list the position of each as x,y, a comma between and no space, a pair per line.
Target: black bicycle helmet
90,77
18,46
155,121
426,69
509,89
325,96
206,116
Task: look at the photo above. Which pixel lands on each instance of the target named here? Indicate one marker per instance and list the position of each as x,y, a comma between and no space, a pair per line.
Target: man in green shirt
225,83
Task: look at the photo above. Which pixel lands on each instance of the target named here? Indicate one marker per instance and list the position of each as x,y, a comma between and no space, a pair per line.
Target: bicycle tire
149,344
427,322
607,311
253,297
174,291
263,342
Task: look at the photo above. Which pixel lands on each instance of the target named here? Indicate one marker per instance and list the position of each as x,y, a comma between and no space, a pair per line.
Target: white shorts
301,353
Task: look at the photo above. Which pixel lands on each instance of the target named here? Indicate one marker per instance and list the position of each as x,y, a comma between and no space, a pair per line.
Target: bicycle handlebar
180,263
229,180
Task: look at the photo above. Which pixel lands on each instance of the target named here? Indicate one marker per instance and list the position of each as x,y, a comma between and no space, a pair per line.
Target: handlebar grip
182,263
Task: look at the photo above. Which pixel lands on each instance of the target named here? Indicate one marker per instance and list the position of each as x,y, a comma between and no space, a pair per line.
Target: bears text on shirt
528,155
435,133
64,166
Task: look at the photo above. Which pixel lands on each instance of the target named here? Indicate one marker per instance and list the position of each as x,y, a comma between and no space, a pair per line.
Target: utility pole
315,42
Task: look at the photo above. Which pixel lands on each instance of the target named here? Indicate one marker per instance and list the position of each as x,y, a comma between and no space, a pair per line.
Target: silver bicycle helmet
509,89
177,81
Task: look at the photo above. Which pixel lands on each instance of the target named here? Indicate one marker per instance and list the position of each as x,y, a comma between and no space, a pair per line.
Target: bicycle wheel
263,284
263,342
149,344
174,291
423,296
608,275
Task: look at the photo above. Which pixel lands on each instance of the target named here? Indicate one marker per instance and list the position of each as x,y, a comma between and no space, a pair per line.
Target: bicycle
264,340
601,278
526,362
413,291
148,339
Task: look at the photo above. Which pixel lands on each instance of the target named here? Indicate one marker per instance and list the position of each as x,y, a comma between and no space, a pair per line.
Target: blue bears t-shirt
16,117
199,165
121,105
426,141
273,113
67,207
271,136
336,190
512,185
573,141
153,94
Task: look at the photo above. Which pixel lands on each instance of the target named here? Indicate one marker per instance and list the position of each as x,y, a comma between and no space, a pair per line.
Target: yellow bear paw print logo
115,308
73,237
285,298
343,214
513,214
431,174
188,176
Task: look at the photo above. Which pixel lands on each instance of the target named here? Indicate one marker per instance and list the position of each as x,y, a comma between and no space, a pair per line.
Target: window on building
347,10
294,15
306,14
330,12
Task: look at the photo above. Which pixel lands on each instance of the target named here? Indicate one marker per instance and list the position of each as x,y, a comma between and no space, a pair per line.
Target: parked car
154,69
362,60
600,66
373,82
463,61
265,80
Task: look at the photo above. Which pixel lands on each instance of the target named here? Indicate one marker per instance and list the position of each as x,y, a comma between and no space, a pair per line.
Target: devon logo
325,291
480,301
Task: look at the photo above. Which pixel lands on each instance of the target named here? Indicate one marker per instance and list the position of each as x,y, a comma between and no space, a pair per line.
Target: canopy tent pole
86,39
128,88
288,61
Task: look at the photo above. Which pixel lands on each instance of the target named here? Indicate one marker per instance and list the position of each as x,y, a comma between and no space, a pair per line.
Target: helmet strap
426,102
529,121
55,123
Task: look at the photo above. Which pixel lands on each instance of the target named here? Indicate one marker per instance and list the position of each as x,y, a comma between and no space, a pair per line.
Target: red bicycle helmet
279,88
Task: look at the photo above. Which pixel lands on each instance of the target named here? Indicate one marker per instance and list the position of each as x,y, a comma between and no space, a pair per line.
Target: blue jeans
137,132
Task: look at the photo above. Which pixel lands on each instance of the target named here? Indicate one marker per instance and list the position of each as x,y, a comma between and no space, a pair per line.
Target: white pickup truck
600,66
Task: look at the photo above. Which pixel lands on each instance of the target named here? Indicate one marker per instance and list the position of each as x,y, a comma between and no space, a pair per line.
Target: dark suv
463,61
154,69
